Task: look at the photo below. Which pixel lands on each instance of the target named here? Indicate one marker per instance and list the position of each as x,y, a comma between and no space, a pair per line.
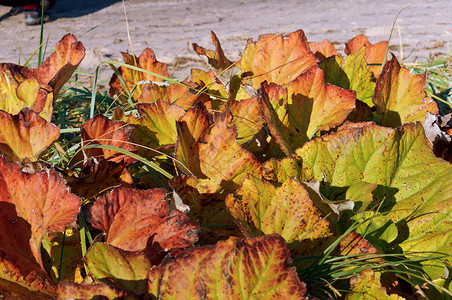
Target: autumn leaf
19,89
276,58
375,53
296,111
59,66
156,126
97,178
351,73
102,131
128,270
322,50
25,135
353,244
212,154
417,186
135,79
216,58
21,276
367,285
247,118
260,207
67,244
42,199
231,269
129,217
69,290
400,96
185,95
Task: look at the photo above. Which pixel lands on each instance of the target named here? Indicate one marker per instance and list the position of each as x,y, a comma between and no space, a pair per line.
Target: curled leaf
213,154
400,96
59,66
323,49
374,53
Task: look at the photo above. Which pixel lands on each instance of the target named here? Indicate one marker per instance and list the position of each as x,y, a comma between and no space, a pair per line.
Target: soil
422,30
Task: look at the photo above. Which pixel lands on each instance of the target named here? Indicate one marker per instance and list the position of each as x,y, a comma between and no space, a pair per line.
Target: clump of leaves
209,187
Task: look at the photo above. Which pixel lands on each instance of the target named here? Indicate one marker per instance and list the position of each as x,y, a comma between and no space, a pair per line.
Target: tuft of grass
439,80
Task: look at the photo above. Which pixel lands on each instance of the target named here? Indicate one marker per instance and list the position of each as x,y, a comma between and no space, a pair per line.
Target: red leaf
130,217
42,199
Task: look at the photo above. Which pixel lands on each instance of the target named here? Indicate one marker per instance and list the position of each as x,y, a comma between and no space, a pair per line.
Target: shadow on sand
68,8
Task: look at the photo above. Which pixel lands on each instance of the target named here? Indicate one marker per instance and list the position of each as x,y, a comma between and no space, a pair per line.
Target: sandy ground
169,27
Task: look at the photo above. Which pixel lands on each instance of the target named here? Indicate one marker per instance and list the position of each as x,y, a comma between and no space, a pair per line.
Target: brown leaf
95,179
232,269
20,273
216,58
25,135
130,217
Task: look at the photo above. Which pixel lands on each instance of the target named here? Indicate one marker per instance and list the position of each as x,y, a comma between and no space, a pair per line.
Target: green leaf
416,186
351,74
128,270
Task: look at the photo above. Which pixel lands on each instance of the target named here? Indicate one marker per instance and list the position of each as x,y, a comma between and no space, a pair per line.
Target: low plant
294,172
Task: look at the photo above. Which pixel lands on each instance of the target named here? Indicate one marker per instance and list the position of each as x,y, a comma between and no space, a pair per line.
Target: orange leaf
130,217
25,134
323,49
374,53
59,66
233,269
400,96
100,130
41,198
276,58
69,290
176,94
146,61
353,243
